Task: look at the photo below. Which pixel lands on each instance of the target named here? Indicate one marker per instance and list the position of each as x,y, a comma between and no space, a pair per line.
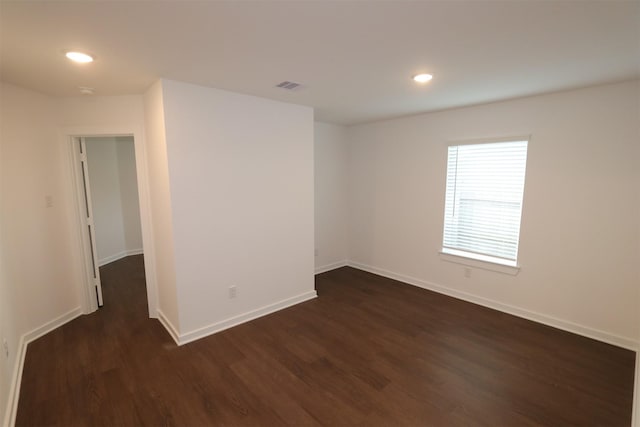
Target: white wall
331,196
160,201
37,238
129,196
241,179
42,277
114,194
579,245
100,113
39,281
104,182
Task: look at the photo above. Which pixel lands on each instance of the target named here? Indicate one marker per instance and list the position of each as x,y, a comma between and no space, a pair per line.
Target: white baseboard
14,387
168,326
245,317
25,339
329,267
565,325
111,258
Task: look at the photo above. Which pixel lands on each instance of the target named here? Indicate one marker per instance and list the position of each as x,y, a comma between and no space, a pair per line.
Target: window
483,205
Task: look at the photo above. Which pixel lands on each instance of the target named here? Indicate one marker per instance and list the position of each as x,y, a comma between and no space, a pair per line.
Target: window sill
464,258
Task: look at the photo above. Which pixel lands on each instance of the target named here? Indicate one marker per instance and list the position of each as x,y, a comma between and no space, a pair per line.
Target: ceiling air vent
289,85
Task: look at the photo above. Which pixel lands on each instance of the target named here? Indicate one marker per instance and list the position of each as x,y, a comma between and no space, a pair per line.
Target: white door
89,232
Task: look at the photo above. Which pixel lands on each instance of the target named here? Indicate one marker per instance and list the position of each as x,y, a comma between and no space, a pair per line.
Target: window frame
470,259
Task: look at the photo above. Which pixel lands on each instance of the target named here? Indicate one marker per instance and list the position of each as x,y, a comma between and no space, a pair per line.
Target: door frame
83,189
86,290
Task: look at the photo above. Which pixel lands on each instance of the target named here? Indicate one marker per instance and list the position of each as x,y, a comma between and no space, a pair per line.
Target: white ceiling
355,58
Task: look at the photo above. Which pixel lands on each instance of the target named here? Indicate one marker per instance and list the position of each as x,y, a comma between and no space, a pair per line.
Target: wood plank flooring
368,352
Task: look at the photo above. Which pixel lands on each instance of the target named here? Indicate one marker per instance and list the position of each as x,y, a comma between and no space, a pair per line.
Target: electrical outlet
233,291
48,200
5,347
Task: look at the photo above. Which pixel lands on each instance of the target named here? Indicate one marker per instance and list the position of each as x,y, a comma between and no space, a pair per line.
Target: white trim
490,140
245,317
329,267
457,257
14,387
23,342
88,297
111,258
164,320
36,333
565,325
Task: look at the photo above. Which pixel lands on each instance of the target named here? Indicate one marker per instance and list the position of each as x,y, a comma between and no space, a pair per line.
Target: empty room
371,213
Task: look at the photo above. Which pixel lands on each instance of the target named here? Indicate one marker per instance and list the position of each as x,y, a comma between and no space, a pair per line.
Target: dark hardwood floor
369,351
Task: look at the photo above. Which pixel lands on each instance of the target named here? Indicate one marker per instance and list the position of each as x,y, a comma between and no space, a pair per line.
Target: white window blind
483,206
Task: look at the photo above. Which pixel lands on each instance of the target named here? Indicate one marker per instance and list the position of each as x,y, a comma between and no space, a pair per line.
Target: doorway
110,206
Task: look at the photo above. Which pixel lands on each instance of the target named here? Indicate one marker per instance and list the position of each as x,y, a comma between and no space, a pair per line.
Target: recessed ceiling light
79,57
422,78
85,90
